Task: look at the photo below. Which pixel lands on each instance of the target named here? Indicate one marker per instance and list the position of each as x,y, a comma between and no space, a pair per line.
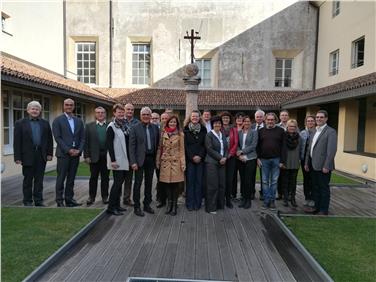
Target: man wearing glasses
143,145
69,134
320,161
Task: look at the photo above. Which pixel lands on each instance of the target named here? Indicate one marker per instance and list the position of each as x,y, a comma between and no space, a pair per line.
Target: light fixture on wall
364,168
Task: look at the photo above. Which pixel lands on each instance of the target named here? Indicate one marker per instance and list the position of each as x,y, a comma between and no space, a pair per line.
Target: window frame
145,77
283,78
92,79
355,62
8,148
204,70
336,8
82,113
333,70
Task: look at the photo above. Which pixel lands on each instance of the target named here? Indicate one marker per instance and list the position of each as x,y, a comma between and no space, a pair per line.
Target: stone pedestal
191,82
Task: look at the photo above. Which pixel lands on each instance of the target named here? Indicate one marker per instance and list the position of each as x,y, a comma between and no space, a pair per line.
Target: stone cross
191,39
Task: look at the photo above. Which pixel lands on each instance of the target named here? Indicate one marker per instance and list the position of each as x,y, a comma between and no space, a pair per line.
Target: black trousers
247,172
33,176
97,168
115,193
279,187
128,185
146,170
234,191
288,182
307,183
230,175
321,190
172,190
216,187
66,173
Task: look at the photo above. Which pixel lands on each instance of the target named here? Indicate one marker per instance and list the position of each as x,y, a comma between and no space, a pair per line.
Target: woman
289,169
239,126
232,138
216,155
247,155
310,124
117,158
171,162
194,137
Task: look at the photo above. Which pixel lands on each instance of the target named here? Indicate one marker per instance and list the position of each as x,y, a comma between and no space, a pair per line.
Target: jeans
270,174
194,185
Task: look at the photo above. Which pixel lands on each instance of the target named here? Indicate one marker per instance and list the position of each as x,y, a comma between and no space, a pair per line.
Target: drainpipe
316,46
65,38
111,31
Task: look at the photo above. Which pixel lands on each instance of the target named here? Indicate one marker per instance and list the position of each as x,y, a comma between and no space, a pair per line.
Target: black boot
174,210
242,203
169,207
293,202
247,204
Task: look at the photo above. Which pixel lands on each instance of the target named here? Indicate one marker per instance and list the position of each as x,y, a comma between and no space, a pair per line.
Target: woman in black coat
194,138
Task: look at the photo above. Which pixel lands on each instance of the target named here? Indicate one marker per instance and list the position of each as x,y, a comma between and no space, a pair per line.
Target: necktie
258,127
148,140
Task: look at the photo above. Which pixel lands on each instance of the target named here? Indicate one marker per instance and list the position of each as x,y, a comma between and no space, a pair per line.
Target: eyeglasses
320,117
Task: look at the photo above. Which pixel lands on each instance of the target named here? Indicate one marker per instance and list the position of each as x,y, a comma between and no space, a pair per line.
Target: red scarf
170,130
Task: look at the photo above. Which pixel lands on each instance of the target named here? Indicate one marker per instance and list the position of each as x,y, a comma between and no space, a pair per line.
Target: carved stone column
191,82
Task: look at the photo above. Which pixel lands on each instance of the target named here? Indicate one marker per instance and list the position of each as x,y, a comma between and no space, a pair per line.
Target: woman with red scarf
171,162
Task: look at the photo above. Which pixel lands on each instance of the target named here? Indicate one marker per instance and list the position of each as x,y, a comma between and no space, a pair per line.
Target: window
80,110
204,66
141,63
14,108
86,62
333,62
5,23
336,8
358,53
283,69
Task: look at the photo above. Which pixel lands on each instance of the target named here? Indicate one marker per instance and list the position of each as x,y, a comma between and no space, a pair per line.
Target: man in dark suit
143,145
320,160
95,154
33,147
69,135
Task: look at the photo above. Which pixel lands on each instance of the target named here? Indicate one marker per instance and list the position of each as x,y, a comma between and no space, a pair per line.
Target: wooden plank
201,247
215,267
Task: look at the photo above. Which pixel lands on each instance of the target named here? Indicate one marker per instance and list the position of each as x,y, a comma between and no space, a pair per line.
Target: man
69,134
155,119
95,154
259,123
164,117
33,147
320,160
270,158
206,116
143,145
284,117
130,121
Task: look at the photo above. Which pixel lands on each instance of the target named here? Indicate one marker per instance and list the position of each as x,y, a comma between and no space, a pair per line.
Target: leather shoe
40,205
90,201
105,200
247,204
229,205
121,209
73,204
310,210
138,212
114,212
161,205
148,209
29,204
60,205
322,213
128,203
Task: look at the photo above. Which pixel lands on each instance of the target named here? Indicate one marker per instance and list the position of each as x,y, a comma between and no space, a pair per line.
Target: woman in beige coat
171,162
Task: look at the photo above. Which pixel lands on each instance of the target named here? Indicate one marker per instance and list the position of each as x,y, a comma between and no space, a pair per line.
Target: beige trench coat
171,158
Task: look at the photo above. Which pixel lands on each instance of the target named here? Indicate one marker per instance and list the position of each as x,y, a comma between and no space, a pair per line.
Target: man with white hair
33,147
259,123
143,145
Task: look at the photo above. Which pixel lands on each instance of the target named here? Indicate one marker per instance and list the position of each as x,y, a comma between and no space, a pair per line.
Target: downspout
316,46
65,38
111,31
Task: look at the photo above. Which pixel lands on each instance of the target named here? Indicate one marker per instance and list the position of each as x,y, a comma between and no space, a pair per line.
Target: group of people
202,158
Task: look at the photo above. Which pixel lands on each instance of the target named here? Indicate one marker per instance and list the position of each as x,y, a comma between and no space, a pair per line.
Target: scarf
292,140
171,131
194,128
226,131
120,123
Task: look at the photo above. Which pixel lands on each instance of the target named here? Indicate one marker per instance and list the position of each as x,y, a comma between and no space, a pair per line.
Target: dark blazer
137,143
64,136
194,143
324,150
23,141
91,148
213,148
